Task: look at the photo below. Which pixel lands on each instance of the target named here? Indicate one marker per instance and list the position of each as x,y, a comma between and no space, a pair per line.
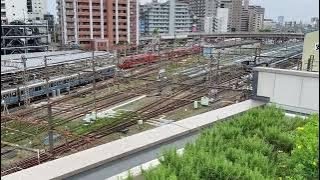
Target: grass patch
120,116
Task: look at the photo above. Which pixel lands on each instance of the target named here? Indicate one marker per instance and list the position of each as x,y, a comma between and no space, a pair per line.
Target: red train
147,58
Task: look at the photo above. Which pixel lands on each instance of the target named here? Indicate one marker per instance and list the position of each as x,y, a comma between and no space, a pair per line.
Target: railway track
151,110
143,71
107,101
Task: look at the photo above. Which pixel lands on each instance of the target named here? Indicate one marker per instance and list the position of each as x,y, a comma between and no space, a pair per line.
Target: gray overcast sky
291,9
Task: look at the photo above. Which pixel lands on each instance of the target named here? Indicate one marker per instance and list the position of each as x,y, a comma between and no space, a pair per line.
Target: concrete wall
309,49
296,91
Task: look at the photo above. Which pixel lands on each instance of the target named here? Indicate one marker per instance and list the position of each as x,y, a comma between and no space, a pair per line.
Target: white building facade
23,10
171,17
222,20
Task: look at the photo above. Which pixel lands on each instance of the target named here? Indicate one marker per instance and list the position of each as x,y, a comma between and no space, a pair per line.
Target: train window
37,88
14,94
22,92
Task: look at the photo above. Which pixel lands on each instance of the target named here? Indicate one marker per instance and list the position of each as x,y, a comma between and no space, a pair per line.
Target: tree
155,32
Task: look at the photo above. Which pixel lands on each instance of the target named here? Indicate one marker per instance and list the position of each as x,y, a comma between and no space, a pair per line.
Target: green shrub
305,155
255,145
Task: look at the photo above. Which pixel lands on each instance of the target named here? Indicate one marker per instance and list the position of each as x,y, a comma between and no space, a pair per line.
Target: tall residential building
256,17
209,24
244,20
206,12
107,22
281,20
269,24
235,16
171,17
222,17
23,10
4,19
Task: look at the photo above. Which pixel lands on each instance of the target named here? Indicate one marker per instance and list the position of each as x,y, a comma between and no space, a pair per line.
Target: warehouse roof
12,63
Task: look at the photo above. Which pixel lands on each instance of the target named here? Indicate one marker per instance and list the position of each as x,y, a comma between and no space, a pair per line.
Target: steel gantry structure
24,38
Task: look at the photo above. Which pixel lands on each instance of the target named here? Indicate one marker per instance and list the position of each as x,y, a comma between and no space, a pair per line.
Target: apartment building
222,19
269,24
22,10
171,17
244,21
4,19
206,12
256,17
103,24
235,15
281,20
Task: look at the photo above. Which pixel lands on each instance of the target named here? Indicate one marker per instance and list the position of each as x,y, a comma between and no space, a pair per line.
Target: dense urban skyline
275,8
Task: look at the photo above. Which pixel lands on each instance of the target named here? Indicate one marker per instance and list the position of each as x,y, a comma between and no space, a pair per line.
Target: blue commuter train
37,89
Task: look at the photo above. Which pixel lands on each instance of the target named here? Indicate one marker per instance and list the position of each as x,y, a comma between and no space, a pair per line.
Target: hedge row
260,144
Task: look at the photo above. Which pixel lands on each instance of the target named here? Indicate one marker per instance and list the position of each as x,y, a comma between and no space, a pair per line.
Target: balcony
97,33
69,6
70,26
97,20
122,27
83,7
122,20
69,19
70,33
84,19
96,7
84,26
96,14
83,13
84,33
96,26
69,13
122,33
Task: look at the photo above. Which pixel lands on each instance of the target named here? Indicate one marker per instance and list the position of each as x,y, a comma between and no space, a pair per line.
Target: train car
38,89
141,59
9,96
136,60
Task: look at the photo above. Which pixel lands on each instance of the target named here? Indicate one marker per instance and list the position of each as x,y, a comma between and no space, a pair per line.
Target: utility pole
49,107
25,79
210,74
255,56
161,67
210,71
218,67
117,73
94,81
